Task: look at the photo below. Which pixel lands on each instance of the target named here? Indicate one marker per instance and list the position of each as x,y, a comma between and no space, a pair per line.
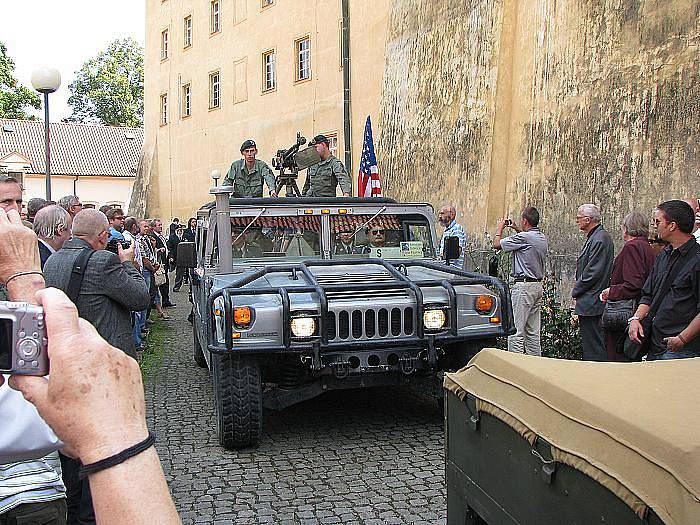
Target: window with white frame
303,58
215,19
164,44
186,100
269,70
214,90
187,32
163,109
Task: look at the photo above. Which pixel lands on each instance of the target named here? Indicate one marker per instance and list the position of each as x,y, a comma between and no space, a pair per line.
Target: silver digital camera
23,342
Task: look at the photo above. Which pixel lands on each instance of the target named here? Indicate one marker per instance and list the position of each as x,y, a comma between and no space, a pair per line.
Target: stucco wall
91,190
493,104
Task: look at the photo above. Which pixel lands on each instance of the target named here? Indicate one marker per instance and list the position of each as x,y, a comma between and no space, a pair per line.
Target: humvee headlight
434,319
303,326
242,316
484,304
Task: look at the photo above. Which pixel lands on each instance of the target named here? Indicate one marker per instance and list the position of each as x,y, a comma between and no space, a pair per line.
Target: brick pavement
367,456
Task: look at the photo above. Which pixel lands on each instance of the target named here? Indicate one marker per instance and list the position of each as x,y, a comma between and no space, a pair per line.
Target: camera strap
78,273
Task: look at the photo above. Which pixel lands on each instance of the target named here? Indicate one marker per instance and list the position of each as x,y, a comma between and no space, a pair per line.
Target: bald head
92,226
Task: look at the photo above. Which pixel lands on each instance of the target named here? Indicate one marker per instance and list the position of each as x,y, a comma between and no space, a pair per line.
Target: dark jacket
173,241
631,269
593,270
189,235
44,253
110,291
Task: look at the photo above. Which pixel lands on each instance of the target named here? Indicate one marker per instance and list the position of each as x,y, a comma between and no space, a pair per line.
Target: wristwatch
633,318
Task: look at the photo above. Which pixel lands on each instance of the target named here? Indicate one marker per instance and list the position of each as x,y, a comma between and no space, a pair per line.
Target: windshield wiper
249,225
362,227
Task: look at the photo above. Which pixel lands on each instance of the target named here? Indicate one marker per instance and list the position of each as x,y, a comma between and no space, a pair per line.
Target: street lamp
46,80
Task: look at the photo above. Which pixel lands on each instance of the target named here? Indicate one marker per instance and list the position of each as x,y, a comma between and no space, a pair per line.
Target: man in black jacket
593,270
162,256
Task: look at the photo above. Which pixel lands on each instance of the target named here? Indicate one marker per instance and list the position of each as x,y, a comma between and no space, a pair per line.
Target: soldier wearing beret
322,178
246,175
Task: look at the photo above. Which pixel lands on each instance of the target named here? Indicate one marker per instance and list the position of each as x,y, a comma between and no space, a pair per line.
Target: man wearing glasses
71,204
675,324
593,270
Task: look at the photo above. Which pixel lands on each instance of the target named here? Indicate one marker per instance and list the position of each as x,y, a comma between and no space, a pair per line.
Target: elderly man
322,178
529,248
447,219
247,175
593,270
71,204
695,205
52,227
10,194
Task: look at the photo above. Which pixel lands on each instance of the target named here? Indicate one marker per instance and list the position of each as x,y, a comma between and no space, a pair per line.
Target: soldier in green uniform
246,175
322,178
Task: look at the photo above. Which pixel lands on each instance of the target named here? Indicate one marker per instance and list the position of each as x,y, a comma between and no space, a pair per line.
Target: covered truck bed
634,428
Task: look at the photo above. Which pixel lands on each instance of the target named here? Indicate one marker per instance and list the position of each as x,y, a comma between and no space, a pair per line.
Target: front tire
238,399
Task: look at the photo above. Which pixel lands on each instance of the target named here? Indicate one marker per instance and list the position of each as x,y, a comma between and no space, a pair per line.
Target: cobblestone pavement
366,456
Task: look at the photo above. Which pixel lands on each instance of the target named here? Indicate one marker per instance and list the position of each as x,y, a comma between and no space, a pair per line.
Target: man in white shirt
52,227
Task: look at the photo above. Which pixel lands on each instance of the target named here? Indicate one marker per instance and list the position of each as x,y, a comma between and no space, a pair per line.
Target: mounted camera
112,246
23,343
289,162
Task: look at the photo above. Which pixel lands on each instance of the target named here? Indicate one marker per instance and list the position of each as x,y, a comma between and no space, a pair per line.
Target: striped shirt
455,230
33,481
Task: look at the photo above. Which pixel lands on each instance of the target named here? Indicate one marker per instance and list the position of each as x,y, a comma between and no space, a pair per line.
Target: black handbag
616,314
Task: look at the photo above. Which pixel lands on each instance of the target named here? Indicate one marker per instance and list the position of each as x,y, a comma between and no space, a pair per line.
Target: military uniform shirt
249,183
322,179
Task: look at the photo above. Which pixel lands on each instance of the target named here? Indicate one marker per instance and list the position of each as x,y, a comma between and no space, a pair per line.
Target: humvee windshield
385,236
276,237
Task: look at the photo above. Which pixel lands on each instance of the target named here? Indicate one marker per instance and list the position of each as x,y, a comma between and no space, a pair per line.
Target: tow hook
432,354
313,361
407,364
341,369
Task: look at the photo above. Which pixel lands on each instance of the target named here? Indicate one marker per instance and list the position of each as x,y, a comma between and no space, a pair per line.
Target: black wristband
116,459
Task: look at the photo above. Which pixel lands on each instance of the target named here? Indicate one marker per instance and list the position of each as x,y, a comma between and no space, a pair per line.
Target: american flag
368,184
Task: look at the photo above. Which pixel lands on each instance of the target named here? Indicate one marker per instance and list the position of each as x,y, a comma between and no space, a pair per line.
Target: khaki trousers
527,303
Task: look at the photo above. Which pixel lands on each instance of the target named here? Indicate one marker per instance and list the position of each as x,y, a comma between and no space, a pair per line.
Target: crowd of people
91,407
644,303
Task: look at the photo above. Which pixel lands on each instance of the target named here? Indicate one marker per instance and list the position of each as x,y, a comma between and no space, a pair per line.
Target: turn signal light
484,304
342,211
242,315
495,320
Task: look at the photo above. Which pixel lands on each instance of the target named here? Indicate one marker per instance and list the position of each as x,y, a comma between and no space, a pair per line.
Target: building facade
96,163
222,71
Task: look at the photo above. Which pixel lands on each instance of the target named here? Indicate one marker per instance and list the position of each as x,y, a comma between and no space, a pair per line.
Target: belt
526,280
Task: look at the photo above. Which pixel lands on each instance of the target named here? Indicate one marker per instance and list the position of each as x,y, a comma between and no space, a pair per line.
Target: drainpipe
347,132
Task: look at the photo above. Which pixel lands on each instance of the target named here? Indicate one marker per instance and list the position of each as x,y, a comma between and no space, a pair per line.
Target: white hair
591,211
51,221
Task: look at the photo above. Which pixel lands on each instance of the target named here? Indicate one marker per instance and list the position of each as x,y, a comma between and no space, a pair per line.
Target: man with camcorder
322,178
246,175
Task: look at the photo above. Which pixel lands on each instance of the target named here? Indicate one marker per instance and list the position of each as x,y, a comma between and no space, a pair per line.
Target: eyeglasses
118,217
579,217
377,232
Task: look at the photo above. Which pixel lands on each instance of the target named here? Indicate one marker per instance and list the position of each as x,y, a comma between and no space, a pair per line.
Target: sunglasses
377,232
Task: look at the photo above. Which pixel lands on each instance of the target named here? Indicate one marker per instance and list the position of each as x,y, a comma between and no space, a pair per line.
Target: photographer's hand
95,404
19,252
126,255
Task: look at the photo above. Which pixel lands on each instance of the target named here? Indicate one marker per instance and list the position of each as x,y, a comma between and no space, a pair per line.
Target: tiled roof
76,149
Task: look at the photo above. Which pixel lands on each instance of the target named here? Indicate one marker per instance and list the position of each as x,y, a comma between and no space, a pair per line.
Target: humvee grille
348,325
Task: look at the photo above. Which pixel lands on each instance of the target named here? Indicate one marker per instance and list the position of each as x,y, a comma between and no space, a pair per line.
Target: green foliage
108,89
560,334
14,98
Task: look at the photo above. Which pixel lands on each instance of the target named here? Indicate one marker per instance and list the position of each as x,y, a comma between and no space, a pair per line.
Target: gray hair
591,211
636,224
152,222
89,223
35,204
50,221
7,178
68,201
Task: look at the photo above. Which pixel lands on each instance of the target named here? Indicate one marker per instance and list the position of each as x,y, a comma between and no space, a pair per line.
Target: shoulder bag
159,276
78,273
616,314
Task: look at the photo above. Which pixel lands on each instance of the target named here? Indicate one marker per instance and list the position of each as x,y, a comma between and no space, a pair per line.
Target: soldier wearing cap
322,178
246,175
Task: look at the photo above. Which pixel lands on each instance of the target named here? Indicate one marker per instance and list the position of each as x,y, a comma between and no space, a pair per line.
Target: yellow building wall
185,151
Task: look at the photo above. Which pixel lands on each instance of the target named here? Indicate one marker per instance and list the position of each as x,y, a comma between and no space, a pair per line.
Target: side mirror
186,255
452,249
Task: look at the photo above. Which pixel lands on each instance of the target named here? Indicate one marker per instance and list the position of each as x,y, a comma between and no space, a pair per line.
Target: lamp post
46,80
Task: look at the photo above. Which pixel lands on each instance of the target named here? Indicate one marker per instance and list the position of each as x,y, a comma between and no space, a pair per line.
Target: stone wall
493,104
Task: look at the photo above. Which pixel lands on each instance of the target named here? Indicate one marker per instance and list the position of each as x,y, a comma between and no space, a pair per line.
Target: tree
108,89
14,98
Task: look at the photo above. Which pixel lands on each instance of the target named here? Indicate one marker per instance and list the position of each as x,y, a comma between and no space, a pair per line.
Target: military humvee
294,296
